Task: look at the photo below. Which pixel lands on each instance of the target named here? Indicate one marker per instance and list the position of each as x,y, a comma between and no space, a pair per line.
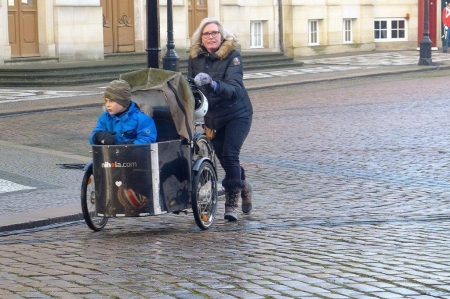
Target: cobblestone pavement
351,201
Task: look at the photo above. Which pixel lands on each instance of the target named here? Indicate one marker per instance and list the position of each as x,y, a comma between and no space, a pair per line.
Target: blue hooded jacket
132,126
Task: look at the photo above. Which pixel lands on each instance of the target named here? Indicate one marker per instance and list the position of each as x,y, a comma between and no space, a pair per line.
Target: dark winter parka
230,99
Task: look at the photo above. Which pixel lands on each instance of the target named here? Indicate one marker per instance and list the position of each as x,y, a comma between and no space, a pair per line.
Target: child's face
113,107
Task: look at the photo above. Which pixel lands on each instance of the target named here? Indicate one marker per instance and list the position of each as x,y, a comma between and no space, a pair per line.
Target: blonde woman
216,66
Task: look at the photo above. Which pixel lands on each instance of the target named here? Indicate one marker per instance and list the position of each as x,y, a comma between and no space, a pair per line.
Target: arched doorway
198,10
118,26
23,28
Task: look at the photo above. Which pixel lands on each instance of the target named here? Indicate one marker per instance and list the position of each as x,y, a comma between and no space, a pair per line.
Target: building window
398,29
380,29
389,30
256,34
313,32
348,34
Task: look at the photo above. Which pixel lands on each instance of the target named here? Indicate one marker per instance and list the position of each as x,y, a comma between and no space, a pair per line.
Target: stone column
5,48
140,21
47,47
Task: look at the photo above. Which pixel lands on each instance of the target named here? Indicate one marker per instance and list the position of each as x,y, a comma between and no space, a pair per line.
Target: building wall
401,9
237,17
78,30
72,30
330,16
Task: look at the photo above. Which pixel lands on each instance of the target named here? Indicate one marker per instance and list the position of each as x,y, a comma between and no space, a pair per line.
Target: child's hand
104,138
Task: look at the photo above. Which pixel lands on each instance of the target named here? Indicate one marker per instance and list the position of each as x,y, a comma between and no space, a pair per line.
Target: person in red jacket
446,23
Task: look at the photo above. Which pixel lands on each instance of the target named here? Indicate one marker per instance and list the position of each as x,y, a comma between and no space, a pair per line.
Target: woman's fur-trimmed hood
225,48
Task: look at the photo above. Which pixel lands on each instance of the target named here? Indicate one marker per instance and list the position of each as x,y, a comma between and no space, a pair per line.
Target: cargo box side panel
123,180
175,174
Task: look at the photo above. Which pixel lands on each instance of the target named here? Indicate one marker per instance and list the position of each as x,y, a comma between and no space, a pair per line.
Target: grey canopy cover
163,88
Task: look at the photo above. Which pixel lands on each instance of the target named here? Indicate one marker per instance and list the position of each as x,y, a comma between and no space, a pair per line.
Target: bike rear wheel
96,223
204,195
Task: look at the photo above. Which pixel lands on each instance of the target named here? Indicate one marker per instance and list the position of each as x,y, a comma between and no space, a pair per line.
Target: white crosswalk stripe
377,59
304,71
16,95
8,186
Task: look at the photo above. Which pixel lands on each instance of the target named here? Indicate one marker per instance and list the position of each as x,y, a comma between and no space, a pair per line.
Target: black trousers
228,143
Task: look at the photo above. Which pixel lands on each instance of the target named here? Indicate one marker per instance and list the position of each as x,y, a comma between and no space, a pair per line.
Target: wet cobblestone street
351,200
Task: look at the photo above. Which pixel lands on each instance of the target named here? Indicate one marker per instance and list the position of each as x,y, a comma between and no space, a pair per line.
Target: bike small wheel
204,195
94,222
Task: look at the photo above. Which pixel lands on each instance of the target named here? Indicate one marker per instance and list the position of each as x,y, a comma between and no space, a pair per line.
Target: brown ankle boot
232,204
246,194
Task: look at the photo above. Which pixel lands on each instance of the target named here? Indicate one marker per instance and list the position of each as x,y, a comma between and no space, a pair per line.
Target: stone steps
35,72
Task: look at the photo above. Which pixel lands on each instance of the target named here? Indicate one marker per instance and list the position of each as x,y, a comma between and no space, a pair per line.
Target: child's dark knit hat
119,91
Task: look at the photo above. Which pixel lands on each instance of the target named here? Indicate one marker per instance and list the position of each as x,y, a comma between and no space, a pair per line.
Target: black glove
104,138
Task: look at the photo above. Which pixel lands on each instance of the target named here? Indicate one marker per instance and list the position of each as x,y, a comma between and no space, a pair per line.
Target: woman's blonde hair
226,34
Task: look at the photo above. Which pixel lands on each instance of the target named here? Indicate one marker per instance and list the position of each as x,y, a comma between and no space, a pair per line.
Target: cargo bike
175,174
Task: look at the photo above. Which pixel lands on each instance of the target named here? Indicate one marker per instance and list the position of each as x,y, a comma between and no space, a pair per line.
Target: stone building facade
83,30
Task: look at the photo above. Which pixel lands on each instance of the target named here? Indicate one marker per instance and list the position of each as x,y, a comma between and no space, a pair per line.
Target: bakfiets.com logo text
118,164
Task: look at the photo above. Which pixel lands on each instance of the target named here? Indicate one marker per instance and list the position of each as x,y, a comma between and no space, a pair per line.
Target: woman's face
211,37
